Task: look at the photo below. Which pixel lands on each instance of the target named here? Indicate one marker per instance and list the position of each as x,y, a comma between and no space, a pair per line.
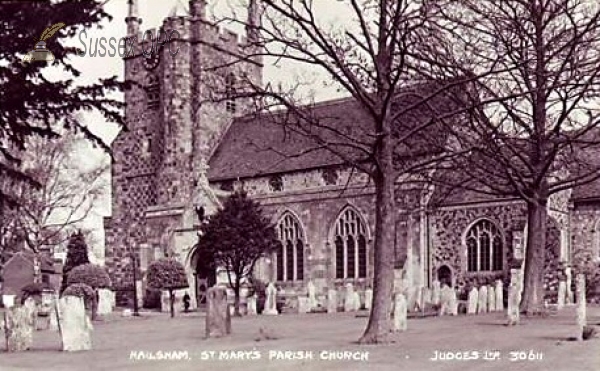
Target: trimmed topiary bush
77,254
167,274
81,290
92,275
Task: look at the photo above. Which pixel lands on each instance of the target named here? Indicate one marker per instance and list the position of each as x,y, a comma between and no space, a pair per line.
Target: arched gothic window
230,104
289,258
350,246
484,247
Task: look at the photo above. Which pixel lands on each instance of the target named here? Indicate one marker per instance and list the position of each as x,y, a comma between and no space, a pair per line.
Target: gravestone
453,303
8,300
312,296
499,296
581,305
400,312
446,300
271,302
349,299
105,301
491,302
411,298
569,279
303,305
357,304
473,300
19,325
426,295
514,298
165,301
482,304
218,316
332,303
419,304
75,326
251,305
435,295
562,294
54,318
368,298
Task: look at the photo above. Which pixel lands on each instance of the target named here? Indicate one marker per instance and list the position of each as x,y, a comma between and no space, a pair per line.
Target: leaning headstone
303,305
491,302
105,301
482,304
332,304
514,298
18,327
349,299
473,300
75,326
312,296
218,316
271,302
562,295
435,295
581,305
251,305
499,296
400,312
368,298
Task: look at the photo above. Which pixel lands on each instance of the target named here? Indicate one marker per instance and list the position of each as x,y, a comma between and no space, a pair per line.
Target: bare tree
533,123
43,216
371,58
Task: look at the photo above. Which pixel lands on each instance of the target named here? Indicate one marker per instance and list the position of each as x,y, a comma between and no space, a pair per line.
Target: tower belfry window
152,92
230,103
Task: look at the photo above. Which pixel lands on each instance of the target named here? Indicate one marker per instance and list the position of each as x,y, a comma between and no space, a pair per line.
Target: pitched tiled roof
272,143
587,192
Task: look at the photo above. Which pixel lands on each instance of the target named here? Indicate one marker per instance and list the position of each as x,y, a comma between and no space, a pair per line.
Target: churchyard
314,341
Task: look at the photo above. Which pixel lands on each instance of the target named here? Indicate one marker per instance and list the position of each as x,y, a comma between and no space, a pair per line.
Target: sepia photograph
300,185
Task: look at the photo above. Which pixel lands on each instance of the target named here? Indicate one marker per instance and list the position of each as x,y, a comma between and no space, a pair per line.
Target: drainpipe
428,244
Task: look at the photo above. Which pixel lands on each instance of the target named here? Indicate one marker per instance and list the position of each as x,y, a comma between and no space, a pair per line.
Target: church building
182,151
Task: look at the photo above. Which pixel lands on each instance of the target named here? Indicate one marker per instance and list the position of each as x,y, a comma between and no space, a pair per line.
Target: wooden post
56,303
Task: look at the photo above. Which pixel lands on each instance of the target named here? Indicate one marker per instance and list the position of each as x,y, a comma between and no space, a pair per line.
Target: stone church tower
174,121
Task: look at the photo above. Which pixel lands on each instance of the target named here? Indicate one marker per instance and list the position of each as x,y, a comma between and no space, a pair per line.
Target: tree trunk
378,327
236,298
172,299
533,291
95,306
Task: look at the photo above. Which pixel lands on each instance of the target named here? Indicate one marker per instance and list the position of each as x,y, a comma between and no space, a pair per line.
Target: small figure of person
186,302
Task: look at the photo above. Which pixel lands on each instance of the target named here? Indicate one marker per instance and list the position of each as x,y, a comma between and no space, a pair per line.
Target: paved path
119,341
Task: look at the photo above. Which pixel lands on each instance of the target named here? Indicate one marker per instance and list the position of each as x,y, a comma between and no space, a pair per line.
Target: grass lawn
118,341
